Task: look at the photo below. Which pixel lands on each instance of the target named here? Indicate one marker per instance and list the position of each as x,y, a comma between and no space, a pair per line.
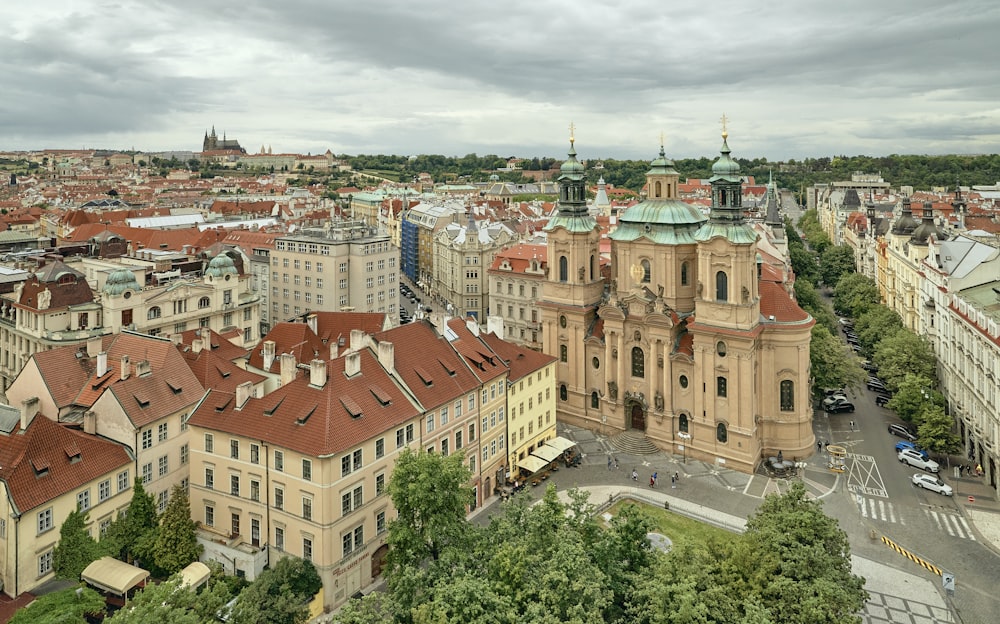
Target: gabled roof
65,370
215,371
521,362
47,460
774,301
483,361
218,344
294,338
333,325
427,365
315,421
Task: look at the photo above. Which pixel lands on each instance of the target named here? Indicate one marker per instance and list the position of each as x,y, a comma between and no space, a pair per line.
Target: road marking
915,559
864,476
952,524
877,509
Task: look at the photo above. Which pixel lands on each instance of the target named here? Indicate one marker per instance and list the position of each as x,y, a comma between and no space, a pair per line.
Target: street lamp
683,435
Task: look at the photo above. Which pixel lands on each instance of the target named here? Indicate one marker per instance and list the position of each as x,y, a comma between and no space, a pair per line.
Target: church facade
696,343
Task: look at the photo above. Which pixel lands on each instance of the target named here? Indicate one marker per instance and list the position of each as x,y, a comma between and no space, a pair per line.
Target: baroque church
696,344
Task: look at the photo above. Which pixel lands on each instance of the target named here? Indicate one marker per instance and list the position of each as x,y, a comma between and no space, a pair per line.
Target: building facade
516,280
462,257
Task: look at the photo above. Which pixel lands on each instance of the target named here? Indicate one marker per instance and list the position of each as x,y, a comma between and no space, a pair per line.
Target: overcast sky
452,77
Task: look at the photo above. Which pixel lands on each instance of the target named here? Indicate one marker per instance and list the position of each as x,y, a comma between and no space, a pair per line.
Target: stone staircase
634,443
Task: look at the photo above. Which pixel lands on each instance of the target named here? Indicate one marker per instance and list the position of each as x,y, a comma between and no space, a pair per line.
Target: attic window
224,373
424,376
215,345
221,407
141,400
176,389
72,452
380,394
301,420
351,406
270,411
41,466
449,369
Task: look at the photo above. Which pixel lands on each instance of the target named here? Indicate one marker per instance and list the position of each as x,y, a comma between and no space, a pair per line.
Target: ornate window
682,423
721,286
204,303
563,269
154,313
563,353
787,396
684,273
595,401
720,387
596,362
722,433
593,267
683,381
638,362
645,271
563,392
720,348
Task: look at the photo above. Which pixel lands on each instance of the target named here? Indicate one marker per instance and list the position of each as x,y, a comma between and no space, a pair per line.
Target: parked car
868,366
916,460
903,432
838,404
874,383
906,444
882,399
846,322
834,397
933,484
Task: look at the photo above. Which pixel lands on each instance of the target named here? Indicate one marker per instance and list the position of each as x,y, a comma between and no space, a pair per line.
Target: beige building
47,471
696,346
516,280
462,257
348,265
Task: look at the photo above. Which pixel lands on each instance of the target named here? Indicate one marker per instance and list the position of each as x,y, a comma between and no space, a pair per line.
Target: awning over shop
548,453
195,575
561,443
113,576
532,464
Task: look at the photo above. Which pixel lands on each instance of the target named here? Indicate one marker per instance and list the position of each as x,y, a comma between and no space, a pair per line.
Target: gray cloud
387,76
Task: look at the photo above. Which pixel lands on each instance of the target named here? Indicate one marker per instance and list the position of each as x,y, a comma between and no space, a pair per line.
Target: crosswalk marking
878,510
952,524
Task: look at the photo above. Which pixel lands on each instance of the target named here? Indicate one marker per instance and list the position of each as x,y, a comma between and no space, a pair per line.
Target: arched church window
645,271
684,273
659,189
638,362
563,353
593,267
682,423
595,401
721,286
563,392
722,433
563,269
787,395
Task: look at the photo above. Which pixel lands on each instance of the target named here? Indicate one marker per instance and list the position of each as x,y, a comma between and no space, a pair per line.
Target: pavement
900,592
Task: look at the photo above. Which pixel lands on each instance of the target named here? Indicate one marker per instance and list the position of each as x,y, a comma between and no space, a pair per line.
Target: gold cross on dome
571,129
724,120
661,138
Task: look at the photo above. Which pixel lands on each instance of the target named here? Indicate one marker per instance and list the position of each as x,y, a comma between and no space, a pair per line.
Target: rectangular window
123,482
279,498
307,508
234,485
161,432
430,423
184,454
348,541
486,424
209,515
458,439
255,532
45,520
279,538
147,473
379,484
444,416
254,454
209,443
163,466
358,459
209,478
380,523
83,500
307,470
161,500
409,433
444,447
720,386
400,440
472,401
254,490
352,500
104,490
472,432
345,465
234,449
379,448
279,461
45,563
147,438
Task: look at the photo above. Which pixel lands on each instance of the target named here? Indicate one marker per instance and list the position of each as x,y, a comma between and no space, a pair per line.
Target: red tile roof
520,256
520,361
333,325
217,372
774,301
72,459
294,338
64,373
221,346
483,361
315,421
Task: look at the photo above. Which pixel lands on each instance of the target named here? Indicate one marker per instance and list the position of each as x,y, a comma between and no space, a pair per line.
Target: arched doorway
638,417
378,560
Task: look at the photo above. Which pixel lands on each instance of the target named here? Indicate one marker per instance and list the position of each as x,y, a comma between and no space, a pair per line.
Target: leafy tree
176,543
280,595
131,535
854,294
875,324
901,353
935,431
67,606
809,300
912,395
832,363
169,602
803,264
76,549
836,262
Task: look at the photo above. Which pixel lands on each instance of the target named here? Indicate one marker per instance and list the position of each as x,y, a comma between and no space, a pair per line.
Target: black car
876,384
882,399
841,405
903,432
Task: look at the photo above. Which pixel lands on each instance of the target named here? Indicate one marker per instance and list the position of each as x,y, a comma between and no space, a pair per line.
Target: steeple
572,183
726,215
662,179
959,206
905,224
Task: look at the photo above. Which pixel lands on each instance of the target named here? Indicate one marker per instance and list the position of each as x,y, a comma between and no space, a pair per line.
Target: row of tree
553,562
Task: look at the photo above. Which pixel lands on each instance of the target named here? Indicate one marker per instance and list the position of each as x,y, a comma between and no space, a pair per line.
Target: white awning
548,453
561,443
532,464
113,576
195,575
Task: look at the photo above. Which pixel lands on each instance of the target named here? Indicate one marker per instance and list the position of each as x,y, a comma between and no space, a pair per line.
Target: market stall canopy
532,464
113,576
561,443
548,453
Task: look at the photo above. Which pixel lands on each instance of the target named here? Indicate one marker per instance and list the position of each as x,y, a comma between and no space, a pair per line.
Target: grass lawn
680,529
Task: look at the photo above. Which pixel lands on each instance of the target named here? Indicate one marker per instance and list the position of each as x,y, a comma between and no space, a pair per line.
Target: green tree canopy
874,324
66,606
902,353
912,395
854,294
176,543
835,263
935,432
833,364
76,548
132,535
279,595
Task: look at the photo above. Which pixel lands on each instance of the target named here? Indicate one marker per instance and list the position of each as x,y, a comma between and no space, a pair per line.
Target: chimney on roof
197,345
126,369
29,407
175,338
93,346
142,368
317,373
243,393
287,368
357,339
268,354
387,356
472,325
90,422
352,364
311,322
333,349
102,363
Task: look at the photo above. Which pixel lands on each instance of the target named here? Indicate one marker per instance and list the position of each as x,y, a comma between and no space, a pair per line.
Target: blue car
910,445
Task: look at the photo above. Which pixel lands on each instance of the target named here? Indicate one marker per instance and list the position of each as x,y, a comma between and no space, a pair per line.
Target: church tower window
638,362
563,269
593,266
720,387
563,353
721,286
722,433
787,396
682,423
684,273
595,401
645,271
563,392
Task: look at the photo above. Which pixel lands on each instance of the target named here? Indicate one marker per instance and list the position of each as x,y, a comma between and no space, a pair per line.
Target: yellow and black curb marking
915,559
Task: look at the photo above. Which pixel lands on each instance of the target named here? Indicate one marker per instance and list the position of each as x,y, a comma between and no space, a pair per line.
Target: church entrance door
638,417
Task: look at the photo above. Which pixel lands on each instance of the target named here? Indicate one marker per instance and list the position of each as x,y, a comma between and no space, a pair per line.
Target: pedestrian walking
673,482
616,463
652,482
609,462
655,477
635,475
819,445
677,476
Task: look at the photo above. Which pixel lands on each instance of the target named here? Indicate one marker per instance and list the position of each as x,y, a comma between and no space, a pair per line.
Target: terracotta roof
64,373
48,460
217,372
427,365
686,344
774,301
333,325
294,338
520,256
221,346
520,361
315,421
484,362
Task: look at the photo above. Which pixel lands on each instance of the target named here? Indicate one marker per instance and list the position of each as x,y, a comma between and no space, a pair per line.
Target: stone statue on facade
613,390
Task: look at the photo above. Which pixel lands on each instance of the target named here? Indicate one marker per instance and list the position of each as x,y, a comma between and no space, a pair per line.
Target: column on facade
620,378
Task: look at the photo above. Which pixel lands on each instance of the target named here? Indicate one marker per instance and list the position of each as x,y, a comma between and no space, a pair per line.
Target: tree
76,549
832,363
854,294
169,602
280,595
809,300
176,544
835,263
935,432
874,324
131,535
912,395
67,606
901,353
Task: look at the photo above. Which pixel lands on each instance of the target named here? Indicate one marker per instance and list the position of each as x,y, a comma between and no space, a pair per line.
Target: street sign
948,582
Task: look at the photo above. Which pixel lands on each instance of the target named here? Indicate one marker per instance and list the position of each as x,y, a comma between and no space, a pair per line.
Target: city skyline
402,78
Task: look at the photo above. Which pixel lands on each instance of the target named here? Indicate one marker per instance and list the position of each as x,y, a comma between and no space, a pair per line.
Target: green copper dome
725,168
662,165
119,281
221,265
571,166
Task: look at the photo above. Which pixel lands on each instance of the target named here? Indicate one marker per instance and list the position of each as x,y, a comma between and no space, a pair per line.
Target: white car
913,458
931,483
833,399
